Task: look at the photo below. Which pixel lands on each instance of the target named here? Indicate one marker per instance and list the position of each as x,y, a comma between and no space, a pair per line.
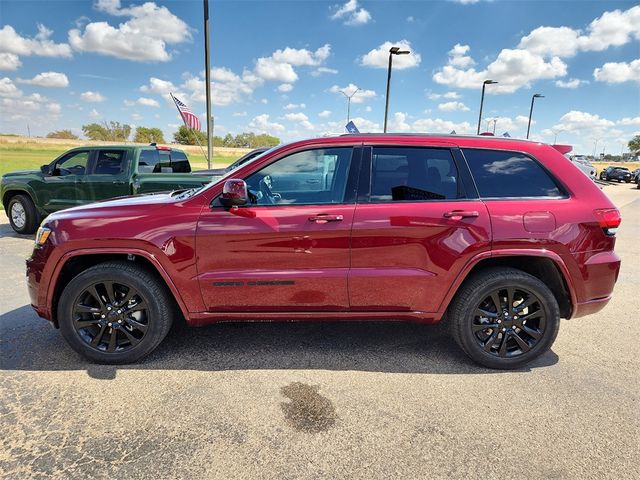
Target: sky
279,67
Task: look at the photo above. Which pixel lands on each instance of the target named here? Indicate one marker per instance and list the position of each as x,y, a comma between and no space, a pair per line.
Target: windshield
230,172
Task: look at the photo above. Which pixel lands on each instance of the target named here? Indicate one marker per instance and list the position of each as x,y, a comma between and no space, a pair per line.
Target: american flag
189,118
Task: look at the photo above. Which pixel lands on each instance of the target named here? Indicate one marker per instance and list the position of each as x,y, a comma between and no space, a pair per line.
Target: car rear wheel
504,318
22,213
115,313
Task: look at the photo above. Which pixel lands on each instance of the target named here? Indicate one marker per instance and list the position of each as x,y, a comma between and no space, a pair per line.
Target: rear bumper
598,274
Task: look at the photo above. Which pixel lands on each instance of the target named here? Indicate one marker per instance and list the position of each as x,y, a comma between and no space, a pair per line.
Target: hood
114,207
19,173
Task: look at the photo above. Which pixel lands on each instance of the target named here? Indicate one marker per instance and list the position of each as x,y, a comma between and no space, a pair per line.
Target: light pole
392,51
495,120
349,101
555,135
537,95
207,76
595,145
484,84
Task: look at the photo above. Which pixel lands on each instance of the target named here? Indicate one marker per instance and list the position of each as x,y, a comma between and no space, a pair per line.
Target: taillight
609,219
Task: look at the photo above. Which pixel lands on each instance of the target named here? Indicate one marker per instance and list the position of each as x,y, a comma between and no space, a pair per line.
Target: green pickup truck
88,174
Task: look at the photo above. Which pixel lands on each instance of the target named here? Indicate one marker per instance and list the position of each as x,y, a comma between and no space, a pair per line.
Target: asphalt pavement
333,400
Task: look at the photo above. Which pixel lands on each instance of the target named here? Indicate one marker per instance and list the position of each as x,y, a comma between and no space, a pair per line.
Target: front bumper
38,281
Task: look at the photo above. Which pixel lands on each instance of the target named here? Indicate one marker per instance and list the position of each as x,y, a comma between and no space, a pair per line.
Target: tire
123,278
477,290
22,213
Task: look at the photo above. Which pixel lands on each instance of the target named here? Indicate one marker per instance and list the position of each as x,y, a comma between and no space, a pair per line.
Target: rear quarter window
179,162
501,174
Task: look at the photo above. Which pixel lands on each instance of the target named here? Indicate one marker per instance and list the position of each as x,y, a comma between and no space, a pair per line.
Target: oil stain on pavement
308,411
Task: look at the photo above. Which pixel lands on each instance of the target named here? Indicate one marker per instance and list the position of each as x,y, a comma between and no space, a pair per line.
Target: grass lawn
30,157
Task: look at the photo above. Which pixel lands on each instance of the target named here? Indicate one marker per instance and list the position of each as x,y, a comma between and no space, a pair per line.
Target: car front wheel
504,318
22,214
115,312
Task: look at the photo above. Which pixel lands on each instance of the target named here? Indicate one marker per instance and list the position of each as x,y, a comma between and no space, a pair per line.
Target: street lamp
595,145
484,84
555,135
537,95
349,101
392,51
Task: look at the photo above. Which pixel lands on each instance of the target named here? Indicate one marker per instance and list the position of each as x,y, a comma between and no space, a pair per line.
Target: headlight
42,236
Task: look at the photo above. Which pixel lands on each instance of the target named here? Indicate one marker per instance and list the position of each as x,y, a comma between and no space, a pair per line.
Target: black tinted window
110,162
308,177
179,162
413,174
149,161
500,174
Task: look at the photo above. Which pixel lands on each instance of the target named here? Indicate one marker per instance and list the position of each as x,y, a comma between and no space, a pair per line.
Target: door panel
416,226
61,188
288,250
108,176
274,258
404,256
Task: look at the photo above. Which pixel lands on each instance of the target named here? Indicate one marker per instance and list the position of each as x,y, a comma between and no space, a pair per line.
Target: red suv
499,236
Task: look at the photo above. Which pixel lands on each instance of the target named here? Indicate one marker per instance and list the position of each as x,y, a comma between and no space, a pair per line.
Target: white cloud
8,88
320,70
578,121
571,83
447,95
351,14
279,66
453,106
285,87
269,69
240,114
400,123
47,79
360,96
325,114
9,61
143,37
379,57
629,121
90,96
458,56
619,72
94,114
262,124
296,117
136,116
514,69
129,103
294,106
611,29
41,44
148,102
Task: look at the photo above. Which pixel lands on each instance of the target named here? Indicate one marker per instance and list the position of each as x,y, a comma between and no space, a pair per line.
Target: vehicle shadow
29,343
7,231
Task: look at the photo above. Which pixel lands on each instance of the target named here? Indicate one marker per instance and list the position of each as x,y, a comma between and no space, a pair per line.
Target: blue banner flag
351,127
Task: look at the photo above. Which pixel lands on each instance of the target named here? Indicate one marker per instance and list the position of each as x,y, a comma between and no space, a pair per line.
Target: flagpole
207,73
189,128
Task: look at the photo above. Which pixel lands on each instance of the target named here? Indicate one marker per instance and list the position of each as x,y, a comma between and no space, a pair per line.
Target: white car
584,164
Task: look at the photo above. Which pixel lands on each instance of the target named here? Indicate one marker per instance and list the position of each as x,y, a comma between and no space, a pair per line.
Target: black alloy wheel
509,322
115,312
111,316
504,318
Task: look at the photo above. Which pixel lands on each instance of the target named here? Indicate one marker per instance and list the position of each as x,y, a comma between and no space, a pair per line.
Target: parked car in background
635,175
583,163
87,174
218,172
620,174
499,236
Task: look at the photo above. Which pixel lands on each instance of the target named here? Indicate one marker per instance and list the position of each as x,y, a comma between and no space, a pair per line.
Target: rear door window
179,162
501,174
413,174
148,161
110,162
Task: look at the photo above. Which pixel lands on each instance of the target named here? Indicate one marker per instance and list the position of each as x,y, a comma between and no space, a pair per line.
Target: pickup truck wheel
504,318
115,312
22,214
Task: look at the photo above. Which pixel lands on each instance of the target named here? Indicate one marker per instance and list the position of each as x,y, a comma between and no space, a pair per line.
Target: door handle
119,182
460,214
323,218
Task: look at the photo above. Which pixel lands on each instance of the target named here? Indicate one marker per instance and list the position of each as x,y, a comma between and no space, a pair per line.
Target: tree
634,145
148,135
187,136
65,134
112,131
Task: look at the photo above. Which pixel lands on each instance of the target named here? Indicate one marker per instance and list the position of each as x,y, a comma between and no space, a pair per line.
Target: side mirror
234,193
45,170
